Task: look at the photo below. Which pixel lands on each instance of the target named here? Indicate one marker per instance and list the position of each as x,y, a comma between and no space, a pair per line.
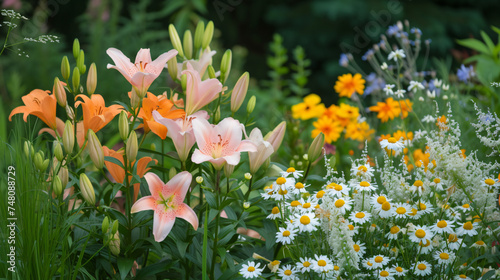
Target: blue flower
464,74
416,31
392,30
344,60
369,53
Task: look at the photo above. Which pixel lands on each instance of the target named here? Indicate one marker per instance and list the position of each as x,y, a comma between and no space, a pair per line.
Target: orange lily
162,105
118,173
40,104
95,113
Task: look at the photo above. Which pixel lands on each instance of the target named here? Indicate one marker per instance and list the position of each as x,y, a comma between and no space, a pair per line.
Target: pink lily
181,131
200,65
199,93
167,200
141,74
264,150
220,143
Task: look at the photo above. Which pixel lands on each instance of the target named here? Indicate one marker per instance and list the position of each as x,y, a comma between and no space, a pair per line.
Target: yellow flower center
420,233
364,184
369,263
427,243
378,259
452,238
468,226
322,263
290,170
394,229
337,187
442,224
320,194
421,266
413,212
489,182
480,243
282,192
288,272
384,273
401,210
275,210
437,180
306,264
386,206
374,225
280,181
362,168
305,220
356,247
351,227
286,233
306,205
463,276
392,140
399,269
251,269
422,206
299,185
466,206
339,203
336,267
444,256
381,199
360,215
275,263
294,203
418,183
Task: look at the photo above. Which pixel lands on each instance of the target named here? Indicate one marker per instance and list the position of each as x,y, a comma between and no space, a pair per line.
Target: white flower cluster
12,14
490,124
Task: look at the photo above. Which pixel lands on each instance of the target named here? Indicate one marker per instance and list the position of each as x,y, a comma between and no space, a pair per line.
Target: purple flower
464,74
344,60
392,30
368,54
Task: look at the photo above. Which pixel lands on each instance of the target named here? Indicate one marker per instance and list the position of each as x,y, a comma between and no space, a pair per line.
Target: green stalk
205,241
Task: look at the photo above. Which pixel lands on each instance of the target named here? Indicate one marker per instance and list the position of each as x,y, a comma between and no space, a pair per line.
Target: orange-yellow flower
166,109
347,114
310,108
387,110
359,131
95,113
346,85
330,128
40,104
406,136
117,171
405,105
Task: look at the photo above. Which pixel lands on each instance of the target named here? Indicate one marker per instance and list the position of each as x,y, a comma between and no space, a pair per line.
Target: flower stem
217,218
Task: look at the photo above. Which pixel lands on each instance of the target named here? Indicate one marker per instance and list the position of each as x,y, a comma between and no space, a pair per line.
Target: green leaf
475,45
488,275
210,197
124,266
488,41
172,154
115,161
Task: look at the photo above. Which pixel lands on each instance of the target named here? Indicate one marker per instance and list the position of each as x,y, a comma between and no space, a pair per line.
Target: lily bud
87,189
114,227
225,65
176,41
172,67
199,179
58,152
217,115
135,99
316,147
80,62
64,176
228,170
105,224
76,48
92,79
38,161
276,136
211,72
65,68
132,146
76,80
70,113
248,176
198,35
184,82
68,137
57,186
123,125
188,44
246,204
239,92
207,35
95,149
172,172
251,104
29,151
114,244
59,92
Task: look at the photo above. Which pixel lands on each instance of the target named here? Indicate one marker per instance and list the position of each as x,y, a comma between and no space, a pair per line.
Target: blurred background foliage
323,29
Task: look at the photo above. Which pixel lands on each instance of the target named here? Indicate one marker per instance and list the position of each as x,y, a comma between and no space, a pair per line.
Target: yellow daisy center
305,220
422,206
418,183
437,180
399,269
364,184
294,203
337,187
322,263
299,185
452,238
275,262
466,206
381,199
356,247
288,272
275,210
468,226
282,192
280,181
360,215
251,269
339,203
320,194
351,227
401,210
442,224
463,276
306,205
378,259
362,168
290,170
480,243
392,140
384,273
444,256
489,182
420,233
306,264
394,229
421,266
286,233
386,206
336,267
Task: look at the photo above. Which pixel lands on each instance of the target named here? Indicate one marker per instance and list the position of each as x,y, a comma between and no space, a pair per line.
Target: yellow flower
330,128
359,131
347,114
406,136
405,106
387,110
310,108
346,85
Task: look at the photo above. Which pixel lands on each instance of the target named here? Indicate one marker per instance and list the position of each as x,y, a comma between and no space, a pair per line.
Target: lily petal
162,225
145,203
185,212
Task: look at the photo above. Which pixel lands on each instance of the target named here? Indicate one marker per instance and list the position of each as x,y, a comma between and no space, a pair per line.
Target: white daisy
305,264
360,217
425,247
306,222
284,183
414,213
342,204
368,263
308,205
392,144
461,277
386,274
421,233
437,184
401,210
428,119
444,257
359,248
388,89
386,210
294,206
397,54
377,200
393,232
364,186
424,207
319,194
286,235
353,228
268,192
287,272
291,171
479,244
454,242
467,228
299,188
251,270
442,226
322,264
380,261
399,270
417,187
337,190
275,213
414,86
491,184
423,268
281,193
363,170
400,93
465,207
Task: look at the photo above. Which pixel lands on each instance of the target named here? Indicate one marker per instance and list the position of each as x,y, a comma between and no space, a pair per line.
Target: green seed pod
76,48
57,186
65,68
95,149
132,147
80,62
68,137
176,41
225,66
172,67
58,151
76,80
38,161
172,172
316,147
188,44
105,225
184,82
123,125
87,189
211,72
92,79
251,104
198,35
114,228
207,35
